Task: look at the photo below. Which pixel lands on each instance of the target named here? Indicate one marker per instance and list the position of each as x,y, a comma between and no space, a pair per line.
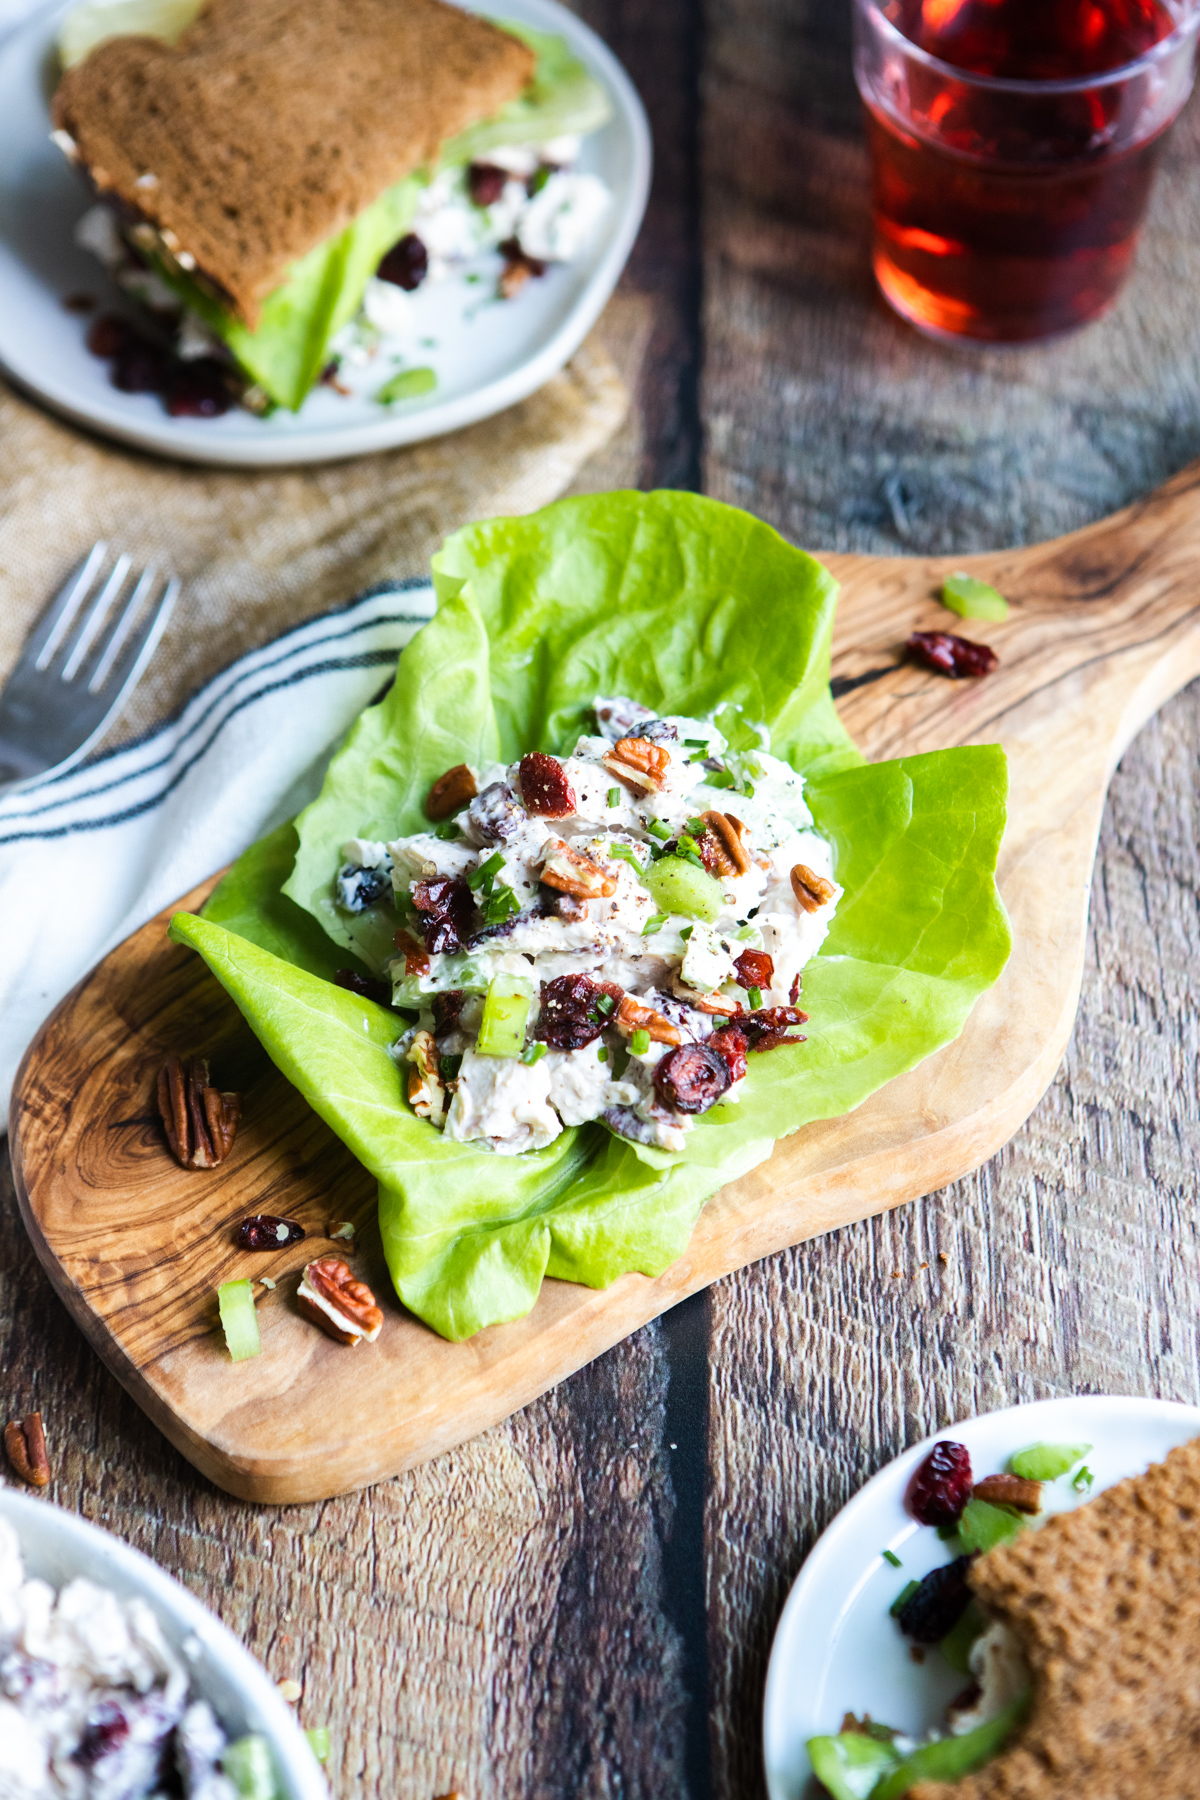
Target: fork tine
138,655
72,599
124,626
101,608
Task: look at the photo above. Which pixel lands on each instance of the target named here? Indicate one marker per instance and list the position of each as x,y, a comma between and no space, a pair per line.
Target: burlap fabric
261,551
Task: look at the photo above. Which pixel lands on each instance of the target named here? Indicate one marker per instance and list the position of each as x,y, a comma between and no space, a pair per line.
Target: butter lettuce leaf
290,345
689,606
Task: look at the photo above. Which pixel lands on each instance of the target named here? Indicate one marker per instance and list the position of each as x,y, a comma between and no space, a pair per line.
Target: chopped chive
659,828
614,796
447,829
501,906
695,743
689,856
409,384
533,1053
748,789
754,996
686,932
653,924
602,1053
890,1556
639,1043
1082,1483
696,825
491,867
606,1004
448,1067
903,1597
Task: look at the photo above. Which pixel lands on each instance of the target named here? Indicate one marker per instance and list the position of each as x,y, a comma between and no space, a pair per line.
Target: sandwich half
257,170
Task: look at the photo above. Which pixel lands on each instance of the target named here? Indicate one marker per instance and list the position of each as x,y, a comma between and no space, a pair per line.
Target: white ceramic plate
58,1546
836,1650
487,356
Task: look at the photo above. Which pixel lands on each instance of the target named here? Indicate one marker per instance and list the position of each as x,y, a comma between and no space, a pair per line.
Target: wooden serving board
1105,625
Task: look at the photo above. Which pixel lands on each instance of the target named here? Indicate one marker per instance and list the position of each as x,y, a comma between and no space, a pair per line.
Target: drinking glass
1011,168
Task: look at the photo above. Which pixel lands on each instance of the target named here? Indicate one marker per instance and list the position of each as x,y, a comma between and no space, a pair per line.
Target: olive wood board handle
1104,626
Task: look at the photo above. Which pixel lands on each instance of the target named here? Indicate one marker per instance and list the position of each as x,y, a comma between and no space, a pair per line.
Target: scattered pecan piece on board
947,654
450,792
811,890
200,1122
25,1447
1010,1490
638,763
344,1307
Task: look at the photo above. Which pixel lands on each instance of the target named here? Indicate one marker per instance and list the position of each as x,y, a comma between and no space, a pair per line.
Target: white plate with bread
485,356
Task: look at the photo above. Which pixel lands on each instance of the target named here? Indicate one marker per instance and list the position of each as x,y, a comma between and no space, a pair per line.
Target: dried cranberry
795,993
571,1013
367,987
108,334
941,1486
947,654
544,786
729,1043
449,906
140,367
198,389
263,1231
107,1727
447,1009
416,958
406,264
767,1028
691,1078
755,969
938,1604
485,183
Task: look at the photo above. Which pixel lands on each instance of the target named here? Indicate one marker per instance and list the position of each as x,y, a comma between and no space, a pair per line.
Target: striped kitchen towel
88,856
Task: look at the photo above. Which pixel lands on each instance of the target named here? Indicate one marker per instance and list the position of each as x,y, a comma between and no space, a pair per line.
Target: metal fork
80,663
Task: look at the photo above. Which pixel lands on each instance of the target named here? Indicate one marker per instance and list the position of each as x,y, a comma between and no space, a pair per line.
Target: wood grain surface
1104,625
580,1601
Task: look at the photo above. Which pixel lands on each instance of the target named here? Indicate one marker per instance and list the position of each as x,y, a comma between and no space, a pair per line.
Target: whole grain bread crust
1106,1601
272,124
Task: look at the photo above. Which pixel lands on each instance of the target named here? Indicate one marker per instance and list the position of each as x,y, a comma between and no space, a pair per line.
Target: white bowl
58,1546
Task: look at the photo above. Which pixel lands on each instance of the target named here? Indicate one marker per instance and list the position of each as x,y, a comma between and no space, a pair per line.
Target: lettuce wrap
290,346
688,606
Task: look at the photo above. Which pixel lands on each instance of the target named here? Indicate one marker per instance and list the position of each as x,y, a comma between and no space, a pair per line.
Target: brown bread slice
272,124
1106,1601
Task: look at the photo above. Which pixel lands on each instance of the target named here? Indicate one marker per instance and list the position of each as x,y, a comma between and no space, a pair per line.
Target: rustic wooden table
581,1601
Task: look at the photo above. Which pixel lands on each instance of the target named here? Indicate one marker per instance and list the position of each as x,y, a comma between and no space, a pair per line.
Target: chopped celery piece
851,1765
658,828
409,384
247,1763
972,599
1046,1462
983,1525
682,887
318,1741
956,1645
505,1011
239,1322
952,1757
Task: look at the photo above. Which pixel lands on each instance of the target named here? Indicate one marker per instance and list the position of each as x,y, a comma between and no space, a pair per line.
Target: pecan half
715,1004
632,1015
344,1307
416,957
812,891
545,788
25,1447
573,874
199,1121
426,1091
725,839
450,792
638,763
1010,1490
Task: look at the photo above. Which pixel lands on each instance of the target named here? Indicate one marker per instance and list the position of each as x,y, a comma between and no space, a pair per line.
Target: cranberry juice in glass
1013,145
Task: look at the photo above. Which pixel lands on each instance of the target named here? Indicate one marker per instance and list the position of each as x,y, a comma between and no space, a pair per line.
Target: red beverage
1013,145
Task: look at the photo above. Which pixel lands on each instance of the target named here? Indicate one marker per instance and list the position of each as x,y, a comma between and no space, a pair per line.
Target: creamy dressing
509,867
